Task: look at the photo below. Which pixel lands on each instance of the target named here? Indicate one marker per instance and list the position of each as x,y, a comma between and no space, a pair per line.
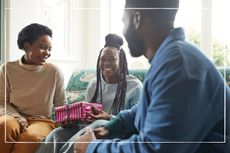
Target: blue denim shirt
183,104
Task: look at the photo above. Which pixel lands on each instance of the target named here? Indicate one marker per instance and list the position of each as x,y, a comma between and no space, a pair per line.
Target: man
185,100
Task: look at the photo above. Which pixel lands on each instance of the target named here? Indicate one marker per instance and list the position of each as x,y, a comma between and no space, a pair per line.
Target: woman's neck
26,61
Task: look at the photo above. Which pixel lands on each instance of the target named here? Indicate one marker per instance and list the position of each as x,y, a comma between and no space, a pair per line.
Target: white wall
21,13
76,43
2,28
79,28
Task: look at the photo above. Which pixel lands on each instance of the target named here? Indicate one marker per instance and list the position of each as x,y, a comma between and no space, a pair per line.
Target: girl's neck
112,80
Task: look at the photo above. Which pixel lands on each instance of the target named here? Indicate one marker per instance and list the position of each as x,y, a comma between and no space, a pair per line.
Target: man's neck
155,41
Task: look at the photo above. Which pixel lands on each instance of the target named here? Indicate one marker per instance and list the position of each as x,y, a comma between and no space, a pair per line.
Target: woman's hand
101,132
23,123
99,114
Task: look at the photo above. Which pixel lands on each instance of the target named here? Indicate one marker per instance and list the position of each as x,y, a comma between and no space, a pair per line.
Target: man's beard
135,44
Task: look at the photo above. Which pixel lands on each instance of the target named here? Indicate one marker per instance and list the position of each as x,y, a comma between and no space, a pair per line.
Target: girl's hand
99,114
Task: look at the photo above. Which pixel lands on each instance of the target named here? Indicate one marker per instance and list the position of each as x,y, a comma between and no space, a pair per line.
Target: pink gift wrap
76,111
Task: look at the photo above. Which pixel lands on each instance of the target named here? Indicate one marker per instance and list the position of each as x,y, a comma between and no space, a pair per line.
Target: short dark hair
32,32
152,3
113,40
164,9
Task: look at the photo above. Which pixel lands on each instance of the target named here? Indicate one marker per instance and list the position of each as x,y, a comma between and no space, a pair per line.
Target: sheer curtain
79,28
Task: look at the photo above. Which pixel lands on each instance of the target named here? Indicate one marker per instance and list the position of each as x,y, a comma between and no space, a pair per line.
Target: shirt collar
174,34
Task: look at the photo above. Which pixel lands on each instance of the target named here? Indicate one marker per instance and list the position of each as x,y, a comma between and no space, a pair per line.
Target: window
221,32
205,24
79,28
1,34
115,25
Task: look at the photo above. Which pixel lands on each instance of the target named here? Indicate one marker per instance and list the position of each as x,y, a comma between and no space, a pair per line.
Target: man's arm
123,123
178,111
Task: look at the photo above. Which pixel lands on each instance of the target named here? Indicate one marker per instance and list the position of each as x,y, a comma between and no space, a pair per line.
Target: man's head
143,18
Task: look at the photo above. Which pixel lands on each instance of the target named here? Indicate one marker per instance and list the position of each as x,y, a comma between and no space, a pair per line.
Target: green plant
220,51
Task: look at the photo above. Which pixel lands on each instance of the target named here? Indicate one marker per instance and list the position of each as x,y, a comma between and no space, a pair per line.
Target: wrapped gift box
75,111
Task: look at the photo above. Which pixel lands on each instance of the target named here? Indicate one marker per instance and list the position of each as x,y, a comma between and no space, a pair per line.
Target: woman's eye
43,48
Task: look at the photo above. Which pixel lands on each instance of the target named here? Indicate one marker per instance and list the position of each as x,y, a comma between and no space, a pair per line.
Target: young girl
113,87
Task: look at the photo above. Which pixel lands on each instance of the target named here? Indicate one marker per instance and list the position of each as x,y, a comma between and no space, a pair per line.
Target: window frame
1,34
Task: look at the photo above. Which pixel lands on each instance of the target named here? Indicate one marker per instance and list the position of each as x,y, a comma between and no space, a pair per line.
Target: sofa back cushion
79,80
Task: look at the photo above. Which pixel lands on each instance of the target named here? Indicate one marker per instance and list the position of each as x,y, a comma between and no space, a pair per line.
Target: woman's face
109,64
39,51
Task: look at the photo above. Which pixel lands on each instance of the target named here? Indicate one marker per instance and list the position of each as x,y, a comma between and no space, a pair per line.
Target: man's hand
82,142
101,132
99,114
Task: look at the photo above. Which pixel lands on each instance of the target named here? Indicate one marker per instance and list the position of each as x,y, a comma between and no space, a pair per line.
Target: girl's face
39,51
109,64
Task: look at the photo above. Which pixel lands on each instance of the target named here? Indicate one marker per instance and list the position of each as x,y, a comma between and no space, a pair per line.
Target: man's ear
137,20
26,46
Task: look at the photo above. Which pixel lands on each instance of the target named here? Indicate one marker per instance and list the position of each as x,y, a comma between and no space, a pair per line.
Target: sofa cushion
79,80
78,83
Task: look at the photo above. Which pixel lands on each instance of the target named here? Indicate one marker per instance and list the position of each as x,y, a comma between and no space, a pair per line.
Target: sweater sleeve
59,96
5,107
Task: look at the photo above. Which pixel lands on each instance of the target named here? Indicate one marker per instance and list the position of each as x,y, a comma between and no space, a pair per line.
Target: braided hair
113,40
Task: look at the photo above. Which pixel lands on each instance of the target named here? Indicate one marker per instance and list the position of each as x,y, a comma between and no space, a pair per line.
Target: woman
29,88
113,87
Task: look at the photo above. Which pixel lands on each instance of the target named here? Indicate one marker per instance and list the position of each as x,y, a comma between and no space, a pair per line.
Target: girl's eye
108,60
113,60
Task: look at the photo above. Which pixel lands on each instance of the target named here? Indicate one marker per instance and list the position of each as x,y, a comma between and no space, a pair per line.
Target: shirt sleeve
90,90
135,94
123,123
5,107
133,91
